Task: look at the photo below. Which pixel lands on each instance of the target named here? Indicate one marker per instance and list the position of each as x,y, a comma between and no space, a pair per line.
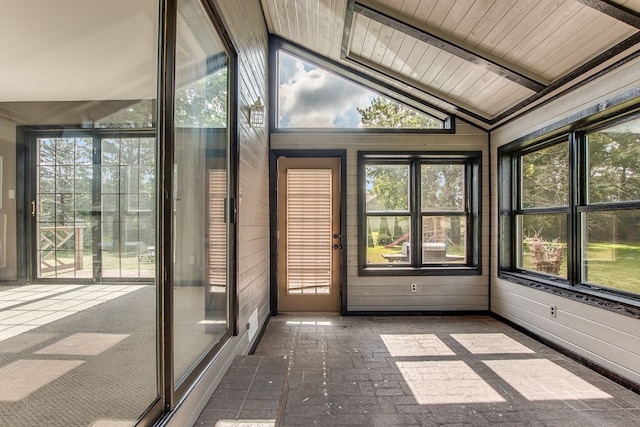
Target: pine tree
384,237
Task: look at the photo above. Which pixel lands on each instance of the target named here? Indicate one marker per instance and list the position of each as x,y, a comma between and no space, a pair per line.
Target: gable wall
392,293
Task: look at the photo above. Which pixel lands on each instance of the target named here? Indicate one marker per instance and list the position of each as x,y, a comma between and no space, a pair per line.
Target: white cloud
310,97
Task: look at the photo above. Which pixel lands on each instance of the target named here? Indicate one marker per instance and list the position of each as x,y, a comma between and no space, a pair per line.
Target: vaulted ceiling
483,60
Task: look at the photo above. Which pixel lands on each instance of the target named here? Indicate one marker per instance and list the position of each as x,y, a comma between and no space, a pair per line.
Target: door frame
25,191
274,155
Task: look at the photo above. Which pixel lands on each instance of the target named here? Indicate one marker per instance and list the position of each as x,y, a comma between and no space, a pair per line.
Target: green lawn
615,266
609,265
374,254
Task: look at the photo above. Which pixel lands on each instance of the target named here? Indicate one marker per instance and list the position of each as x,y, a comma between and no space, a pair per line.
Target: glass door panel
127,246
77,241
200,183
62,208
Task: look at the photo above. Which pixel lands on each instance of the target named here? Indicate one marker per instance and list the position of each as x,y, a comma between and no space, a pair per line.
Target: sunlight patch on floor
54,303
84,344
245,423
113,423
542,379
307,323
446,382
23,377
400,345
492,343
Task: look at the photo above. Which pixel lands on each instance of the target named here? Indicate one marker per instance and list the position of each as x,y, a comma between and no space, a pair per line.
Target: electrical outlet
552,310
414,287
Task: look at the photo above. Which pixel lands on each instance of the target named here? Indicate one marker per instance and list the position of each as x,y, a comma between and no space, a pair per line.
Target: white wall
606,338
392,293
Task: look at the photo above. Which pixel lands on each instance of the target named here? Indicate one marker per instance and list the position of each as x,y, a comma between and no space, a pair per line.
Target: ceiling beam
614,10
449,47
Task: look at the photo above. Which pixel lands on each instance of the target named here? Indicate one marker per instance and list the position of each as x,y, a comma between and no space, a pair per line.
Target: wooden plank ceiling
483,60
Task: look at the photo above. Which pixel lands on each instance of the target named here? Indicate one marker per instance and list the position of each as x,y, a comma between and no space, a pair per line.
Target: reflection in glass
200,172
545,177
543,243
611,249
388,240
88,298
387,188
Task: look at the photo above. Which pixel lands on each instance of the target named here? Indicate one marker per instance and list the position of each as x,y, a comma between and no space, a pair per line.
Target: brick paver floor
430,371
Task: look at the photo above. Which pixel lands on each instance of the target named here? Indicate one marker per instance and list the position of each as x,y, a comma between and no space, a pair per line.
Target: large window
542,209
313,93
419,213
571,209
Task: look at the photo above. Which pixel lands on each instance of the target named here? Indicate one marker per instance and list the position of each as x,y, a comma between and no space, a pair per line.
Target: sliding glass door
202,207
118,181
93,206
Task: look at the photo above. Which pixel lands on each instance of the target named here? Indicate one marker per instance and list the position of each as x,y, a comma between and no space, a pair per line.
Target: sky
311,97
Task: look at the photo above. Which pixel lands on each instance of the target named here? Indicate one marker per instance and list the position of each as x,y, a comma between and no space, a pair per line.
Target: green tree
397,230
545,177
442,187
614,167
203,103
384,236
137,115
613,176
390,185
384,113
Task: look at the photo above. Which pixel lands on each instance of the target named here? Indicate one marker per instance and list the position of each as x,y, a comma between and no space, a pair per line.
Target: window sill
610,301
425,271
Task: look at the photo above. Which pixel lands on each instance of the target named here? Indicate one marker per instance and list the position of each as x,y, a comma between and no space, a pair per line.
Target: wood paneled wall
608,339
392,293
245,22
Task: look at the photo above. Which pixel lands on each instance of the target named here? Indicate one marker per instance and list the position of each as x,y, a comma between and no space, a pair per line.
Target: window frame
278,44
509,194
518,205
471,211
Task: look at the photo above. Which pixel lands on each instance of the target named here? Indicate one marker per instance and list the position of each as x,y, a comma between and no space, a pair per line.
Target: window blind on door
217,245
309,203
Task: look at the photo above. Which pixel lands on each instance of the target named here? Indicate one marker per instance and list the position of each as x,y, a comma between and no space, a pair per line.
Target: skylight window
309,97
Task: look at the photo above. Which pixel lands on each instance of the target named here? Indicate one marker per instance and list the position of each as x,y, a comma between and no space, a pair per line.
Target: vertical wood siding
392,293
246,25
606,338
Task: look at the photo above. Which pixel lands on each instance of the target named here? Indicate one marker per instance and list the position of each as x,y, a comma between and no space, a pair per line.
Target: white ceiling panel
484,60
64,56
